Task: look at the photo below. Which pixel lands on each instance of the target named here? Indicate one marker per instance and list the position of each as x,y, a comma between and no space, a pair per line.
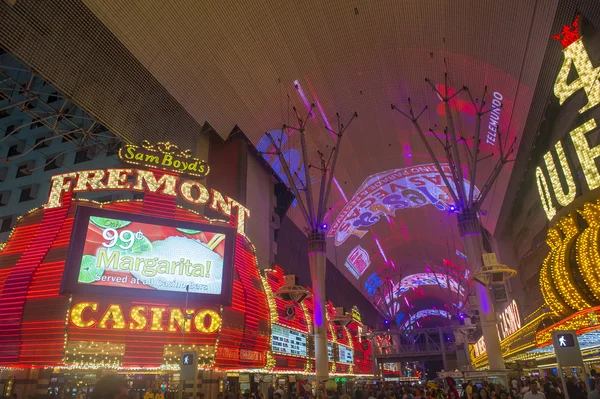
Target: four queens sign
384,193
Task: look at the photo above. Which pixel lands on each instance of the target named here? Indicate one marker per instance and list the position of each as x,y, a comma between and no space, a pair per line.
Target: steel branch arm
489,184
322,188
460,190
288,174
336,150
415,123
308,192
475,152
474,156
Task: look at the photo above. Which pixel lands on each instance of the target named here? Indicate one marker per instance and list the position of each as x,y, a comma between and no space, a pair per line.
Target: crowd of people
550,387
110,387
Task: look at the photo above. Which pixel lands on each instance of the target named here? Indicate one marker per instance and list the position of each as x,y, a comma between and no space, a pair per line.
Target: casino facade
559,213
127,286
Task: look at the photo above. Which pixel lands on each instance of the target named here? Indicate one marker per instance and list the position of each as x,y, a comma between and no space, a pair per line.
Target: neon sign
510,320
384,193
357,261
165,156
356,314
145,180
467,107
575,57
145,318
479,347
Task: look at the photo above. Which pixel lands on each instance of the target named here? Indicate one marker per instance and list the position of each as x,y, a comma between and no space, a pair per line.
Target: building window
82,156
52,97
6,224
3,173
28,193
54,162
36,123
14,150
8,130
4,197
4,113
25,169
41,142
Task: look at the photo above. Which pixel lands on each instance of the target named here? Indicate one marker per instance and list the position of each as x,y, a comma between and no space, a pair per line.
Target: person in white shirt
534,392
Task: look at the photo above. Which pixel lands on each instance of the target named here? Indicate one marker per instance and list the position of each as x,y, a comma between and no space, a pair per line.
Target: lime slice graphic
106,222
89,271
141,245
188,231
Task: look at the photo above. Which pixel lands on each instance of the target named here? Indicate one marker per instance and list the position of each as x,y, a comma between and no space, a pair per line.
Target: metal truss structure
32,95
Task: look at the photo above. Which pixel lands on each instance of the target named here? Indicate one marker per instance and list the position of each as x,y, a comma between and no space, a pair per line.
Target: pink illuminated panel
358,261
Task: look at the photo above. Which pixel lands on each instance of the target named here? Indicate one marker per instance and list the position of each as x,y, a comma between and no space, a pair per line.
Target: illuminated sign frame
165,156
76,245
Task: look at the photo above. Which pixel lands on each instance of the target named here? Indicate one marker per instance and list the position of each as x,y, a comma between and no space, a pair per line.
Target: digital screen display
565,340
288,341
187,359
116,250
346,354
330,351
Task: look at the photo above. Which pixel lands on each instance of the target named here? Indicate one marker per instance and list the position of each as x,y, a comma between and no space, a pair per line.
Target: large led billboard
141,254
346,354
288,341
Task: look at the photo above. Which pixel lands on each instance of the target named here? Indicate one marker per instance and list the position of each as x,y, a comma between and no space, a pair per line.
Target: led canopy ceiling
382,194
421,314
415,280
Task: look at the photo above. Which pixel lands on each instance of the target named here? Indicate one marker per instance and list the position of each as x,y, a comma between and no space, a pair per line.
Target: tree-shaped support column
467,201
313,209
